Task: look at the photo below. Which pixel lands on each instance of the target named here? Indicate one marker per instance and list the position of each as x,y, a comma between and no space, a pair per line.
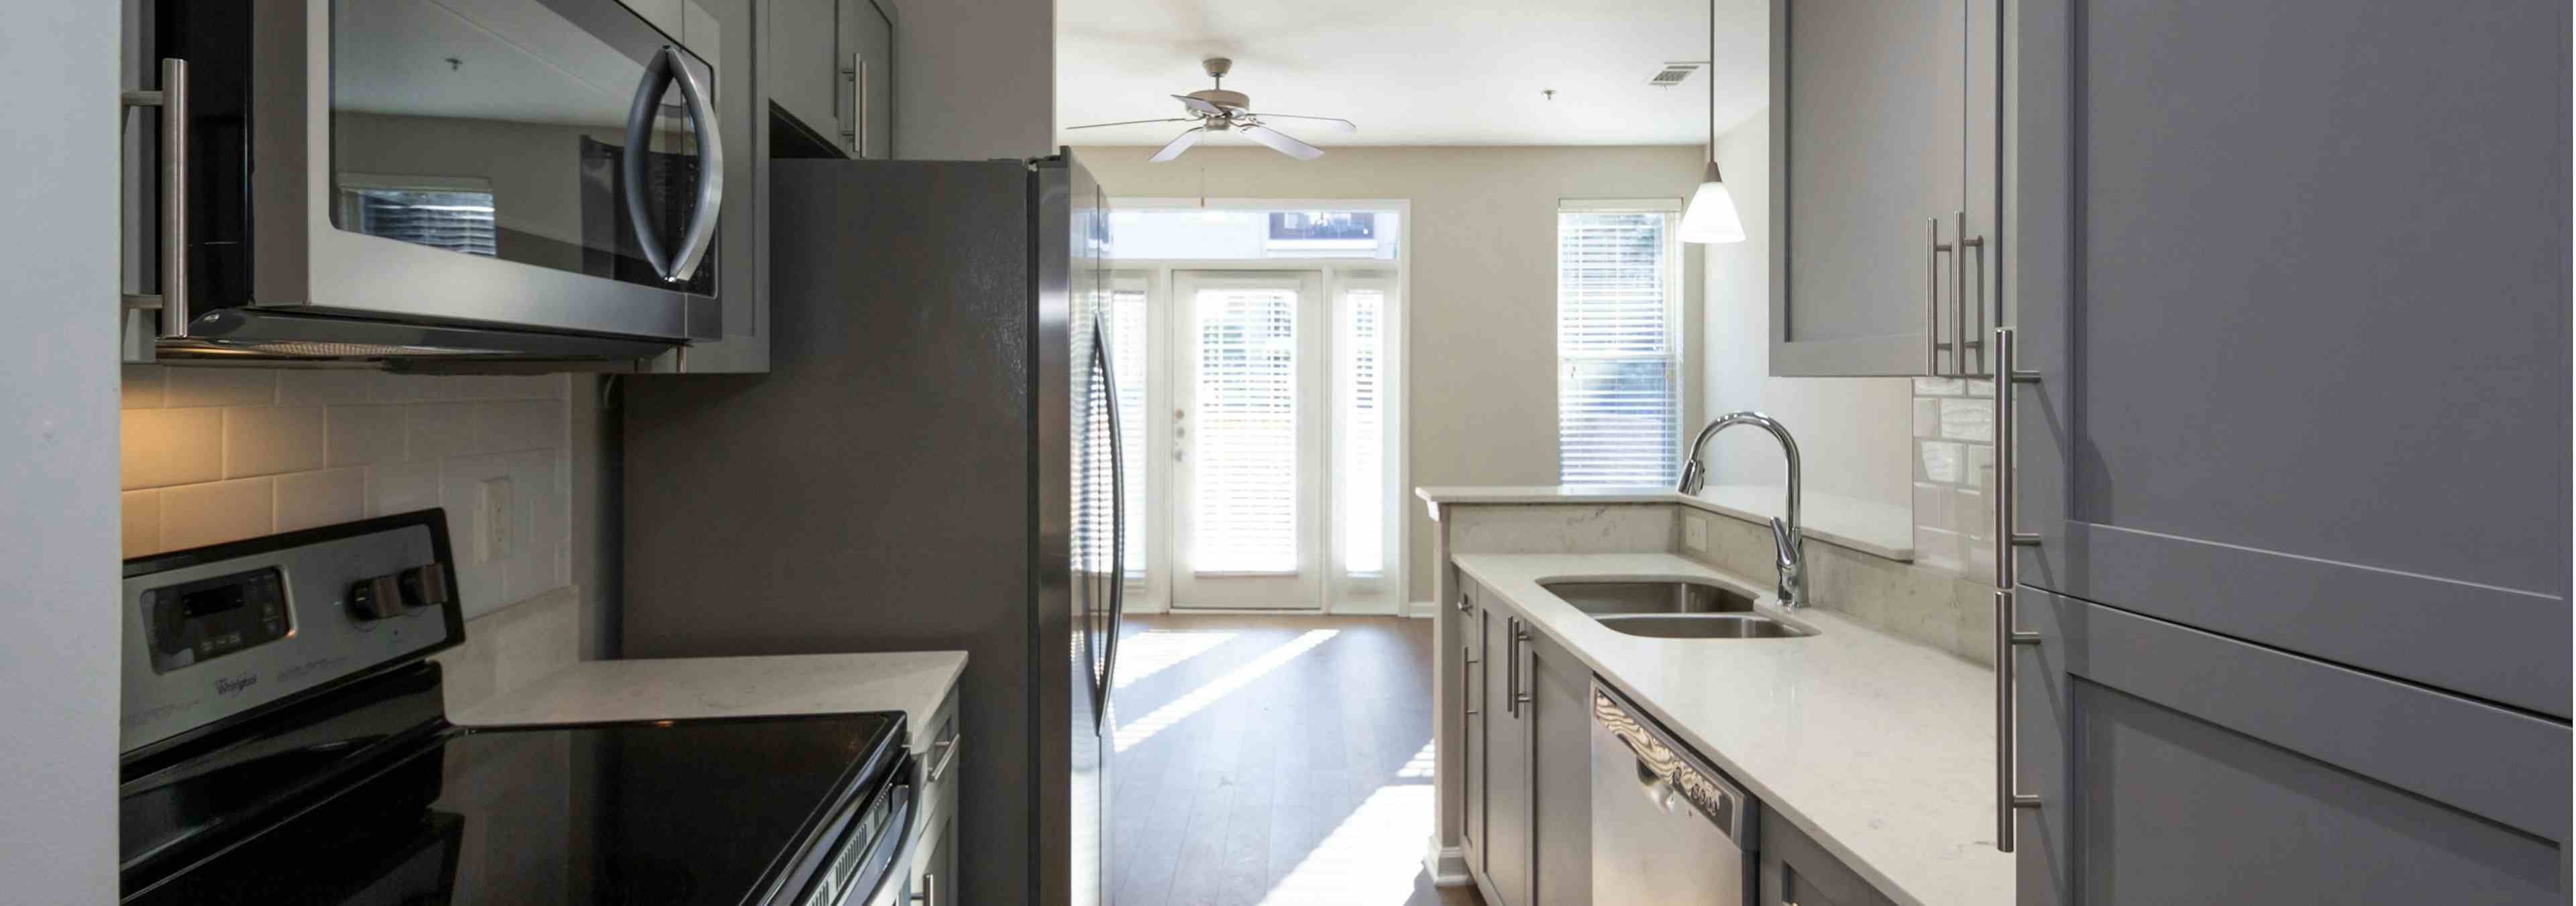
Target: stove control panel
219,633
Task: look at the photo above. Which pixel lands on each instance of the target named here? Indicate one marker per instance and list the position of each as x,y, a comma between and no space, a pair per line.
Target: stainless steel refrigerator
931,463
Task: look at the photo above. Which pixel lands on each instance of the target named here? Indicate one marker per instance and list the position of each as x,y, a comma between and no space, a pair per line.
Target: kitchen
2137,293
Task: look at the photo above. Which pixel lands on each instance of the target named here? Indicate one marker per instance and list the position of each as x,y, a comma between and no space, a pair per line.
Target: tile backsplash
1954,468
214,454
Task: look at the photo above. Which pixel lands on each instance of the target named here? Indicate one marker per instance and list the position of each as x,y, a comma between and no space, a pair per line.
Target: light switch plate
1695,532
494,522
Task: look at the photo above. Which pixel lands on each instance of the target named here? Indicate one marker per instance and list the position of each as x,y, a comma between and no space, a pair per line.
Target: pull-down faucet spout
1788,542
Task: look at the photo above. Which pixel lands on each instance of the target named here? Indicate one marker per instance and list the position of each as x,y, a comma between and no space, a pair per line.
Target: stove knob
395,594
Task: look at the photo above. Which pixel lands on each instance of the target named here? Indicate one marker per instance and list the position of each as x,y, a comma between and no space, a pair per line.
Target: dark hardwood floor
1273,760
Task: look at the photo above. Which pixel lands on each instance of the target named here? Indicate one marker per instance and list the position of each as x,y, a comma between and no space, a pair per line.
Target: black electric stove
329,775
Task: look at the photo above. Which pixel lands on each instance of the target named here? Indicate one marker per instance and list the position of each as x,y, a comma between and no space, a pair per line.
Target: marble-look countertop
1872,528
914,682
1880,749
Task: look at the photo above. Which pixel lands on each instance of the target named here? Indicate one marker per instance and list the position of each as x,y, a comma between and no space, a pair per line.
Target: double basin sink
1672,609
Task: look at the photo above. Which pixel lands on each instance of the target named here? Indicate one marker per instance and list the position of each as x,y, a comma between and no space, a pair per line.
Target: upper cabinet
830,70
1883,131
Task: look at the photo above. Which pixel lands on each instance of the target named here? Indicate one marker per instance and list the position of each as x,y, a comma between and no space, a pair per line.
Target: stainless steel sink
1607,598
1703,626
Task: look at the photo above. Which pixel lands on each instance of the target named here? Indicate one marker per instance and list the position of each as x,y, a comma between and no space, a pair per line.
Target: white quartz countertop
1884,530
1880,749
914,682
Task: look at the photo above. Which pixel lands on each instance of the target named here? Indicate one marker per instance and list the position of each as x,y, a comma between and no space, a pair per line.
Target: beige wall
1853,433
1481,332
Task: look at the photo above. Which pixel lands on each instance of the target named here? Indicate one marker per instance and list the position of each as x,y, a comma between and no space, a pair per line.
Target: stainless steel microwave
401,178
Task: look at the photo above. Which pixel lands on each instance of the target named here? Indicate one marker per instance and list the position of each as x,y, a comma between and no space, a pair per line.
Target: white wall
1481,338
1853,433
58,512
974,79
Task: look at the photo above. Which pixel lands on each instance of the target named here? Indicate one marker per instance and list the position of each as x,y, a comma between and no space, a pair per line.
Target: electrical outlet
1695,532
493,522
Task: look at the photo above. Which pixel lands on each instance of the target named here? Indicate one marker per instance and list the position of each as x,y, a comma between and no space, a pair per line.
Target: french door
1248,439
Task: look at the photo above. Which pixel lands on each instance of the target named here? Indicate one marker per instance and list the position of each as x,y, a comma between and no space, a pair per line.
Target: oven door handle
667,67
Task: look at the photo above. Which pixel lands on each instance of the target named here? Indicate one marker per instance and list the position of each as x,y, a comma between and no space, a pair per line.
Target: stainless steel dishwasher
1666,827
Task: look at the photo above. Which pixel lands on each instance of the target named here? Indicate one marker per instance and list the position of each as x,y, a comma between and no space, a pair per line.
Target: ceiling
1414,72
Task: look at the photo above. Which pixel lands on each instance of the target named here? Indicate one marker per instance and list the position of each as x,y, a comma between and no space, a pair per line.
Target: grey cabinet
722,32
2301,429
935,855
1560,720
831,69
1797,872
1507,809
1882,156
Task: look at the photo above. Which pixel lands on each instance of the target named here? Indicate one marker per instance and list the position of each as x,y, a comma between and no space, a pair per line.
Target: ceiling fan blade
1179,144
1281,142
1177,119
1335,123
1199,105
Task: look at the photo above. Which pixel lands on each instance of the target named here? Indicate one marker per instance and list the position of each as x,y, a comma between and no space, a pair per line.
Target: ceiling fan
1219,110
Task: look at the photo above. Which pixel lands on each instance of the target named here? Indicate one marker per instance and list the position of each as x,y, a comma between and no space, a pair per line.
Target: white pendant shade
1710,218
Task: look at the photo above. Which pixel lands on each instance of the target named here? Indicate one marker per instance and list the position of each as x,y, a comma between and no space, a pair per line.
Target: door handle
666,68
1117,511
172,98
2007,375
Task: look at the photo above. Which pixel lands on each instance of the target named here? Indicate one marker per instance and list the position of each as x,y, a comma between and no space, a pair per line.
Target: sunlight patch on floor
1420,764
1150,652
1181,708
1370,859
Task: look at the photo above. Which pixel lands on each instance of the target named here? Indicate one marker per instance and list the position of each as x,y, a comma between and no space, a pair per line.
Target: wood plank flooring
1273,761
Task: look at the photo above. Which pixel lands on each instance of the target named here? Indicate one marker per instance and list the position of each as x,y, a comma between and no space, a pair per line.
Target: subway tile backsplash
214,454
1954,462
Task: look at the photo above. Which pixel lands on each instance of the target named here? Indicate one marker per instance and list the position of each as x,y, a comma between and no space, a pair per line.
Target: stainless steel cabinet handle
929,895
2007,375
947,756
666,68
172,300
1520,636
1512,666
1932,345
1466,684
1959,336
856,133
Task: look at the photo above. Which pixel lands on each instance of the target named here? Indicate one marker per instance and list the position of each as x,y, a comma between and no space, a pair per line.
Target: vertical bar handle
172,98
2008,375
1520,638
856,133
1932,252
1959,342
1512,666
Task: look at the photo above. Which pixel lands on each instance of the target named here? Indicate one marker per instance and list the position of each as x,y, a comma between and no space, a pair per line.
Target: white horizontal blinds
1129,355
1363,476
1618,405
1244,466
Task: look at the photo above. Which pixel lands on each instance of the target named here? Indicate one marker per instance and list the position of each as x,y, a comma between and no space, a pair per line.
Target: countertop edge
1829,533
1765,791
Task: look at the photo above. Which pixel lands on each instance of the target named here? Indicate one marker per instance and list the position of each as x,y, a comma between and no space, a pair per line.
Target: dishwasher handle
1667,763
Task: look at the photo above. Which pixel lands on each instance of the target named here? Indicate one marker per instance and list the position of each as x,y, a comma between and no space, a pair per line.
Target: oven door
535,164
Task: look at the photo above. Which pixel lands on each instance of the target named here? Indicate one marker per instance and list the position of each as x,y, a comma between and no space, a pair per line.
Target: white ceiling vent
1674,74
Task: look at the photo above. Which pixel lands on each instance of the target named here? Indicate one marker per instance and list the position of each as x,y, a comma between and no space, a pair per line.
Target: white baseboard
1447,866
1421,609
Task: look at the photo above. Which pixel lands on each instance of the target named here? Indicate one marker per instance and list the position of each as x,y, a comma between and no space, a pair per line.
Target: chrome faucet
1786,539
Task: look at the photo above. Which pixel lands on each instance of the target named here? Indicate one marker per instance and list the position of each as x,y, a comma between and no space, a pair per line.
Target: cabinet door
2178,766
804,37
1867,131
1474,718
1798,872
864,93
1560,775
2284,393
1507,756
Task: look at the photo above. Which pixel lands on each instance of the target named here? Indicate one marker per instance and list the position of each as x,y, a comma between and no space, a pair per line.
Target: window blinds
1618,405
1244,466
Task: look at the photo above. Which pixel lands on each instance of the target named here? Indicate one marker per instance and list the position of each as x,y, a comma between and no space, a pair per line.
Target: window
1618,348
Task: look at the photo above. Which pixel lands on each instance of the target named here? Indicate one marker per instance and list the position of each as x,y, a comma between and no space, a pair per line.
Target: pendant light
1710,217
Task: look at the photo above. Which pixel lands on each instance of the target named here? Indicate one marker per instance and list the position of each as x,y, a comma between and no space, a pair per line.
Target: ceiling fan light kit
1218,110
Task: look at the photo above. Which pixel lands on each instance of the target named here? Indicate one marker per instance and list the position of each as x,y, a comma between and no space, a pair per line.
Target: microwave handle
172,99
667,67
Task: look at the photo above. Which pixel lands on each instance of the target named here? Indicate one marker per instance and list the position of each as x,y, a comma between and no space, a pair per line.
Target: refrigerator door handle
1117,511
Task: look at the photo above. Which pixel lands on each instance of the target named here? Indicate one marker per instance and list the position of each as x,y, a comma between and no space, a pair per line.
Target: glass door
1247,439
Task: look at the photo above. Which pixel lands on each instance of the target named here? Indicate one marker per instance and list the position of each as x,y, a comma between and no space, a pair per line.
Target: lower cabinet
1508,838
1471,725
1560,718
1797,872
934,853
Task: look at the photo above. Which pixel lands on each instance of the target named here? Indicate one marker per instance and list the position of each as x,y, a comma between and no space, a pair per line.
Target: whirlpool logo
230,686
